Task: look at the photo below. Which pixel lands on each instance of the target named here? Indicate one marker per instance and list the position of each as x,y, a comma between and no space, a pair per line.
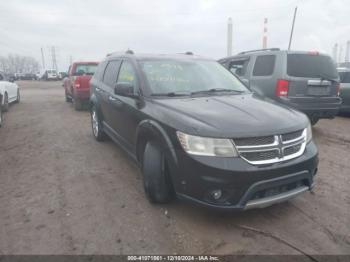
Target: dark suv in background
198,132
307,81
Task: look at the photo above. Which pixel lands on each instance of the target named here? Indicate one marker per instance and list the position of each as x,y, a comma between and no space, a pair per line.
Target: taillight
338,89
77,82
282,87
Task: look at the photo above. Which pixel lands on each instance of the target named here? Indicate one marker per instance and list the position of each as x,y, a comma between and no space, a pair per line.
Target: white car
50,74
9,92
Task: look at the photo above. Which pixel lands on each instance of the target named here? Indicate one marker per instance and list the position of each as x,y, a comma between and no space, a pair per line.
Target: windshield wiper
170,94
325,77
217,90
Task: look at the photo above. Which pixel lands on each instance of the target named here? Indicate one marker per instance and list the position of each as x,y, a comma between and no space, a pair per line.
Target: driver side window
127,74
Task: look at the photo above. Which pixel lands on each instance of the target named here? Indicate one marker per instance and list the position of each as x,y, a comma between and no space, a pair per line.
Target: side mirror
245,82
12,79
124,89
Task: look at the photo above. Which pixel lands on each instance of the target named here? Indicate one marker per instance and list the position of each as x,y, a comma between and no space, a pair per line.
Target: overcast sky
89,29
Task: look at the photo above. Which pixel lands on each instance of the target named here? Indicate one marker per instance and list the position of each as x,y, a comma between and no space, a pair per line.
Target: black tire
313,120
68,99
5,106
156,180
78,105
1,117
98,133
18,96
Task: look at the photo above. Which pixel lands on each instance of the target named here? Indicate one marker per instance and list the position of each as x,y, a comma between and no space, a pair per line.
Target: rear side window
344,77
100,70
264,65
1,77
312,66
238,67
111,73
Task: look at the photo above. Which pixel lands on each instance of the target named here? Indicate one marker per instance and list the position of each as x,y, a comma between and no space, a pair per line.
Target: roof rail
188,53
259,50
130,52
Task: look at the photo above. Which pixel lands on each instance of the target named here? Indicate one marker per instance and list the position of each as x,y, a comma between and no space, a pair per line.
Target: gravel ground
61,192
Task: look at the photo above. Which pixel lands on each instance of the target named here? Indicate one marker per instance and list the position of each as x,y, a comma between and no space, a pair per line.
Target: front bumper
320,107
243,185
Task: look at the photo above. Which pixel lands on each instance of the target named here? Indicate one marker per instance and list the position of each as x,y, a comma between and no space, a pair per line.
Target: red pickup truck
77,83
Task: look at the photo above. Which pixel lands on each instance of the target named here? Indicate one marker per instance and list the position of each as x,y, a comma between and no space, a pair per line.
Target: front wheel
96,125
313,120
156,179
18,96
5,106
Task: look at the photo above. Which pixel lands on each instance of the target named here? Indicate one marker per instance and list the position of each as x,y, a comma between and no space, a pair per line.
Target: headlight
204,146
308,133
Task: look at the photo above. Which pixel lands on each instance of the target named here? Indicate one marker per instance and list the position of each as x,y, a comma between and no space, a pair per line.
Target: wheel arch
149,130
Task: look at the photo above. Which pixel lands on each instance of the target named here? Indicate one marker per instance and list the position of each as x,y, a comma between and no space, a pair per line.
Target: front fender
150,129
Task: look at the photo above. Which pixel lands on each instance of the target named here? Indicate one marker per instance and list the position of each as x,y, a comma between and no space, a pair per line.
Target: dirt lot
61,192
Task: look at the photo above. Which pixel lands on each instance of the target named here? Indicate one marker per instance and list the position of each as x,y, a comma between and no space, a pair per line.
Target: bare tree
18,64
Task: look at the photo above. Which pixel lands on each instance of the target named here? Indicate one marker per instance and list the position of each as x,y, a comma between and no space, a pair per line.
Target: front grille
253,141
260,156
271,149
292,136
273,191
292,150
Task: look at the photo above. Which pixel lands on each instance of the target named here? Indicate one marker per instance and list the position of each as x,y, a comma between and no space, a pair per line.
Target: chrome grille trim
279,145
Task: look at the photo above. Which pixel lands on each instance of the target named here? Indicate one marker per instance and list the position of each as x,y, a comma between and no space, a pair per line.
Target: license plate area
318,90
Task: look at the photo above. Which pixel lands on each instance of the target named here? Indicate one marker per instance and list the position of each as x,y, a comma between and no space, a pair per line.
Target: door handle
111,98
98,89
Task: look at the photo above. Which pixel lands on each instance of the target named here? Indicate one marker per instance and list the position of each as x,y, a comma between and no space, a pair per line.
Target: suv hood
228,116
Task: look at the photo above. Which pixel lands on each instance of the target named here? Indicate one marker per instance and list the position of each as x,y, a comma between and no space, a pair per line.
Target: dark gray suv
198,133
307,81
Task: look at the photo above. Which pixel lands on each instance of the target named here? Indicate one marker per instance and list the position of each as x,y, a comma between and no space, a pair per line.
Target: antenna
291,32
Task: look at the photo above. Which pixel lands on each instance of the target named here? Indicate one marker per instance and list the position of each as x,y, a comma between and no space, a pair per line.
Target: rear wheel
68,98
5,106
78,105
1,117
96,125
156,179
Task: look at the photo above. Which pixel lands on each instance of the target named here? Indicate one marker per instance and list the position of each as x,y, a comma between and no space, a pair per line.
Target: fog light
216,194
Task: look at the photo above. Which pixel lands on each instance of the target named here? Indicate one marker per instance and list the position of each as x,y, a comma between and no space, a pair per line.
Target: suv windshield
187,77
344,77
310,65
88,69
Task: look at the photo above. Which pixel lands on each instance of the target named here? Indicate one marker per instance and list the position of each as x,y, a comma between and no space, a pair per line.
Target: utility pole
347,52
291,32
229,37
43,58
340,59
335,52
265,34
53,56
